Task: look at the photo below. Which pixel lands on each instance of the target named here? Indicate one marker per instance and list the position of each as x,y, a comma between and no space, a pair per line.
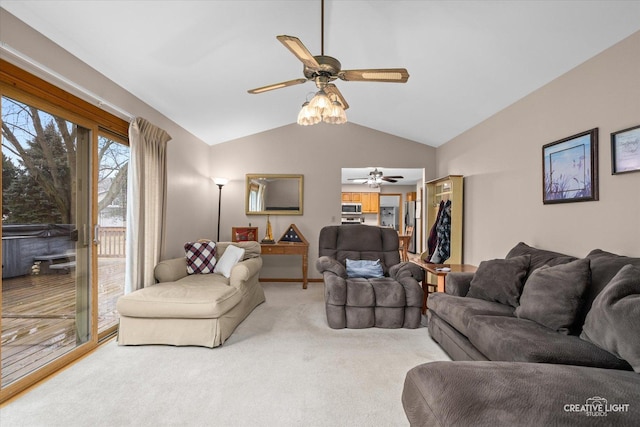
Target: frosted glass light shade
335,114
308,115
321,102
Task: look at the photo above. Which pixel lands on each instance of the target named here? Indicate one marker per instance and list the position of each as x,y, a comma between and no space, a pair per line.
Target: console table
288,249
440,271
292,242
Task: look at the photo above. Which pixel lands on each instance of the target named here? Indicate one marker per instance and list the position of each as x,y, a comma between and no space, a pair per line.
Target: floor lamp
220,182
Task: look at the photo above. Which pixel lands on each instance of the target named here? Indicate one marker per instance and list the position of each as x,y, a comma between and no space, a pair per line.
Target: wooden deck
38,316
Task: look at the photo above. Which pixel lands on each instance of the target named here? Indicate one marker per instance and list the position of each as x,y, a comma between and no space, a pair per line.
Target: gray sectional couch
537,338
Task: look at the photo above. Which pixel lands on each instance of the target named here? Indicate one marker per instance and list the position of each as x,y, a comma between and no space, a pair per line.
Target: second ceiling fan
323,69
376,177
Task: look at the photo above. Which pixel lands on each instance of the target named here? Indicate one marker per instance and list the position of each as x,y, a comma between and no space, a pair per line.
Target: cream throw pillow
231,256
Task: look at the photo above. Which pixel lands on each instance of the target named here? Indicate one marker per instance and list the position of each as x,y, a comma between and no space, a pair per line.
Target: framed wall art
570,169
244,234
625,151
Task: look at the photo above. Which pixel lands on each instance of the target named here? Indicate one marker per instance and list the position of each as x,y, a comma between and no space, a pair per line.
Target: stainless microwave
351,208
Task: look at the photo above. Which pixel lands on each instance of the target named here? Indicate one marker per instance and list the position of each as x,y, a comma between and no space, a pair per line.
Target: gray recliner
392,301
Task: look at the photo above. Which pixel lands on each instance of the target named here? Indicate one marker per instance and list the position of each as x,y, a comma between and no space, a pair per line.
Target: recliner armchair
392,301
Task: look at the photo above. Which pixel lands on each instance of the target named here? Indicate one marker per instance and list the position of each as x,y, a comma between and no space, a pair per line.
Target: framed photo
244,234
570,169
625,151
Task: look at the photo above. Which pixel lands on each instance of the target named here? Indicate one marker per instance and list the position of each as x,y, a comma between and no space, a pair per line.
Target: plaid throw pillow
200,257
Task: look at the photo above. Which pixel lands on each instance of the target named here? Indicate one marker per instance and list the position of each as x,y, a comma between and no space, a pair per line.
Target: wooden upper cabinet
352,197
370,203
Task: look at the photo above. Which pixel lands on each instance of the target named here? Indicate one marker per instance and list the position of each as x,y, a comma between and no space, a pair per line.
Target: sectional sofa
537,338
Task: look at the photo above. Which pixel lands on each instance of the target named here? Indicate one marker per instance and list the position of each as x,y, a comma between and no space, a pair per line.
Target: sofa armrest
244,271
458,283
406,269
324,264
170,270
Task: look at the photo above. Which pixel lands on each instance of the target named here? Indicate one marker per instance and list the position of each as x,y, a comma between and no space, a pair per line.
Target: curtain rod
100,102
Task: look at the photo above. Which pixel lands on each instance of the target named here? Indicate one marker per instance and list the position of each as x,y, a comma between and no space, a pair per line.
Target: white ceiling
195,60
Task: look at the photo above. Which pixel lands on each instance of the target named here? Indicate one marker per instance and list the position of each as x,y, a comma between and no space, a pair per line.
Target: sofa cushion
231,256
512,339
364,268
552,296
613,323
200,257
500,280
447,393
457,311
182,299
604,265
539,257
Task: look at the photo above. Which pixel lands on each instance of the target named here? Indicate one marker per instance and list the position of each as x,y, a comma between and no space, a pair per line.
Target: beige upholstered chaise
192,309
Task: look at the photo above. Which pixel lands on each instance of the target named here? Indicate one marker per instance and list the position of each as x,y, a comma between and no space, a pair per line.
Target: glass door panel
46,311
113,163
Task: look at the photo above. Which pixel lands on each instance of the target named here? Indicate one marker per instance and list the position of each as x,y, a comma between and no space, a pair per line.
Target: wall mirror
271,194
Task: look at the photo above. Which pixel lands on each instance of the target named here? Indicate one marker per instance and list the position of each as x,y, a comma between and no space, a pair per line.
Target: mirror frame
252,176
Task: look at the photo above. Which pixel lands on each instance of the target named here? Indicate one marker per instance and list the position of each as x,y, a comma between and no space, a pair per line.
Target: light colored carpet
283,366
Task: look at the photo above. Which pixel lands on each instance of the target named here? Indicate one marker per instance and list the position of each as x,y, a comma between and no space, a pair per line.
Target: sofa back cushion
500,280
613,321
604,266
539,257
360,242
553,296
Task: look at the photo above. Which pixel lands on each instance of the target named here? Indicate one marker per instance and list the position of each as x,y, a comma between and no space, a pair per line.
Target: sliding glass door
64,179
113,165
46,222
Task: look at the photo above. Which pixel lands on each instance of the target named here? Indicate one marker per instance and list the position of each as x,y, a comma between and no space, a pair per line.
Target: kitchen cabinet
352,197
370,203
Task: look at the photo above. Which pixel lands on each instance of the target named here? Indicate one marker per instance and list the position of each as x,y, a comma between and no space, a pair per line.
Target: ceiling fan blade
299,50
277,86
384,178
394,176
331,88
357,179
385,75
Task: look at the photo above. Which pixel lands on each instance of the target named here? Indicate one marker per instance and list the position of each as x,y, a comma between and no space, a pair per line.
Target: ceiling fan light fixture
308,115
321,102
336,114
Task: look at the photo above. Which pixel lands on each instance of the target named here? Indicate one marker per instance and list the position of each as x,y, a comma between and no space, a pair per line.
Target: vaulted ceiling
195,60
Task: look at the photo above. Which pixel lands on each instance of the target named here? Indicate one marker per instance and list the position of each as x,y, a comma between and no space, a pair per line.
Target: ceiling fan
323,69
376,177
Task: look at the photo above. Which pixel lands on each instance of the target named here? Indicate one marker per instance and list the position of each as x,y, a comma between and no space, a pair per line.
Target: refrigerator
410,220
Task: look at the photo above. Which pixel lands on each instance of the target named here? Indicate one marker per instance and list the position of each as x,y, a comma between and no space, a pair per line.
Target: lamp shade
220,181
335,114
321,102
308,115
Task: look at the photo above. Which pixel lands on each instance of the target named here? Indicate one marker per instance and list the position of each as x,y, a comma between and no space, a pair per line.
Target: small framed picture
625,151
244,234
570,169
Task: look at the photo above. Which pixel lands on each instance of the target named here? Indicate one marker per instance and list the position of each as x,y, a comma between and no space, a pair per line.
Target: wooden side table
440,271
288,249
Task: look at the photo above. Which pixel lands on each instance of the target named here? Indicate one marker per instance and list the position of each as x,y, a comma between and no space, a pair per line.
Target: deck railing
112,242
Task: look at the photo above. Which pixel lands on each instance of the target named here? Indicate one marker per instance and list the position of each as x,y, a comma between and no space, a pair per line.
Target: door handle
96,230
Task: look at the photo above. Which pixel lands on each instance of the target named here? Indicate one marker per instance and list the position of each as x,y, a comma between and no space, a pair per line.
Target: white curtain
146,202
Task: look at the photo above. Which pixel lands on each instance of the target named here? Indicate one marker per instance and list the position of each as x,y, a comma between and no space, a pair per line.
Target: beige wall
189,214
501,161
319,153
